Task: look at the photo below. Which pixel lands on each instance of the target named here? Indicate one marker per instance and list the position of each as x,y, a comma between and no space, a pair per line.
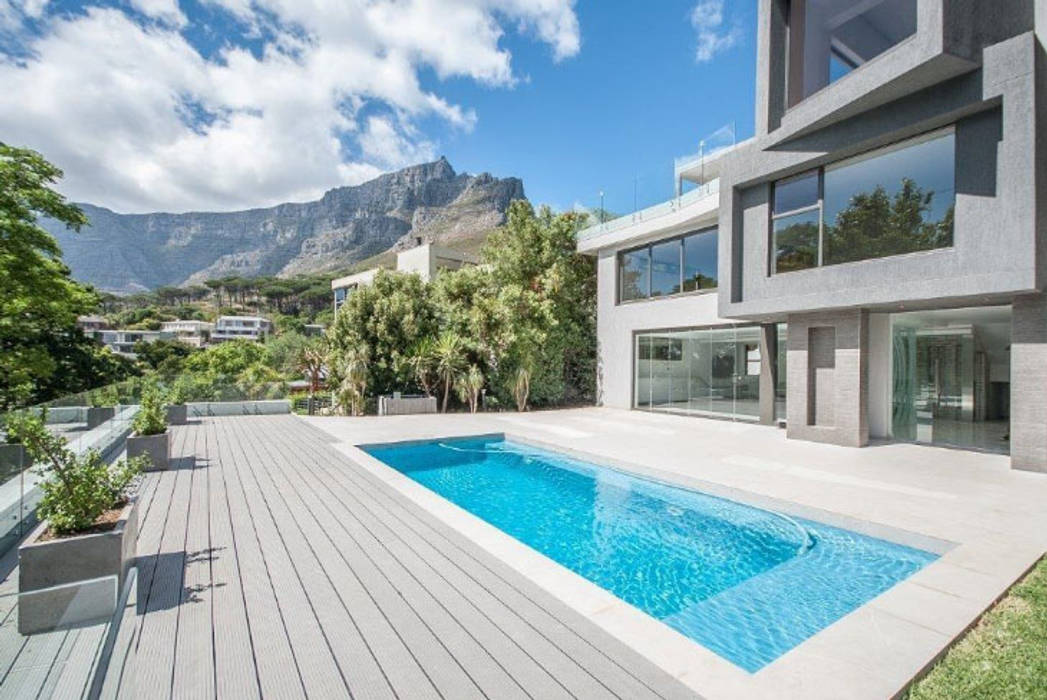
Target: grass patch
1004,656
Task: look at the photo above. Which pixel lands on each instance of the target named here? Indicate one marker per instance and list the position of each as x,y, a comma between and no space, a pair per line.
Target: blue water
746,583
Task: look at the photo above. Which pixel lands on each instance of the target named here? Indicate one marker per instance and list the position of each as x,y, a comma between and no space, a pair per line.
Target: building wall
616,324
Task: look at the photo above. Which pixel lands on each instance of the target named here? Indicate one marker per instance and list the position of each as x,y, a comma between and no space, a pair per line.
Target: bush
104,397
151,418
76,489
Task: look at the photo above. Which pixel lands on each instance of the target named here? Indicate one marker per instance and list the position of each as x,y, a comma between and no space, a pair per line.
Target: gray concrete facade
974,70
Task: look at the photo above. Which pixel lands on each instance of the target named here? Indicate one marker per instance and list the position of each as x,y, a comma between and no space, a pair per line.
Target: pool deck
271,565
988,523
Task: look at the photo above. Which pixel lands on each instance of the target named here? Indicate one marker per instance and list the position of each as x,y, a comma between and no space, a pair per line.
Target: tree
422,362
227,359
354,371
39,301
449,360
312,360
469,387
169,354
388,317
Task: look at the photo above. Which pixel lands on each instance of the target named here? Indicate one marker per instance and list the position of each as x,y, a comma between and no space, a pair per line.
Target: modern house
425,259
91,323
871,264
253,328
122,341
194,333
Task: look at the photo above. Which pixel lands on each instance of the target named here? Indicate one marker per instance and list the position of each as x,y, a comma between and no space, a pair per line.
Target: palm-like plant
469,386
355,372
312,360
449,361
422,362
522,387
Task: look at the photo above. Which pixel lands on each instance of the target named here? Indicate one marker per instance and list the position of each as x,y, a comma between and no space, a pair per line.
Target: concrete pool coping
874,651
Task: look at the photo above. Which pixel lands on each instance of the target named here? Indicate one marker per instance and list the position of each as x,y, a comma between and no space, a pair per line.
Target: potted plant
102,406
177,411
86,540
150,438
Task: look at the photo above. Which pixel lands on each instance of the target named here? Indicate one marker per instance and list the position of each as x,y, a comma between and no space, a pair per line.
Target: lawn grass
1004,656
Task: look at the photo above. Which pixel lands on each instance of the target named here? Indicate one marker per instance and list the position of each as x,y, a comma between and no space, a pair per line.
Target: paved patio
988,522
270,565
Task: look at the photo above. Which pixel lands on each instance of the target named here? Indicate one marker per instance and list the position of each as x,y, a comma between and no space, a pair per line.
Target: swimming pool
746,583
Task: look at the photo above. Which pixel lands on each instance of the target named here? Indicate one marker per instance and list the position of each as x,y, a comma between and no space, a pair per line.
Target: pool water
747,583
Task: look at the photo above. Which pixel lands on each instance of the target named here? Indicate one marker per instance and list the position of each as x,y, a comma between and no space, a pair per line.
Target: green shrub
104,397
151,418
76,489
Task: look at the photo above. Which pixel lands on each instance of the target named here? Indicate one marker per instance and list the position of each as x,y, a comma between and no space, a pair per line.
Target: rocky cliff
133,252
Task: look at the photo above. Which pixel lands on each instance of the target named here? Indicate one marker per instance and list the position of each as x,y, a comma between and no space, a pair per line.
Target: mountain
133,252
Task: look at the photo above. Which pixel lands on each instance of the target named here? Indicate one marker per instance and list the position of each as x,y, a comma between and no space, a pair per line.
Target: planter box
177,414
155,447
67,581
96,415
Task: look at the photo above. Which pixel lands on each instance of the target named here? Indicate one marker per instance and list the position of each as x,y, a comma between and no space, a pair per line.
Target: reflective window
893,202
889,202
665,268
830,38
682,264
796,241
700,371
635,274
699,261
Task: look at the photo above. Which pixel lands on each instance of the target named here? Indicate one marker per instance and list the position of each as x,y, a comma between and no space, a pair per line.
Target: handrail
805,535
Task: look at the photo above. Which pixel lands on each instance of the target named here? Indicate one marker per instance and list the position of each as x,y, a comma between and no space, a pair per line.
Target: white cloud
707,18
329,94
166,11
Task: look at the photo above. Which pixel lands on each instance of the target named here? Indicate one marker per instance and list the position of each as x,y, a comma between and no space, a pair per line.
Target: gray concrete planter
156,447
96,415
72,580
177,414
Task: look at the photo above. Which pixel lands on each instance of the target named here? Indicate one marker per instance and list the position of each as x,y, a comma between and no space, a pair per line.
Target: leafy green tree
226,359
284,350
449,360
39,301
387,317
167,354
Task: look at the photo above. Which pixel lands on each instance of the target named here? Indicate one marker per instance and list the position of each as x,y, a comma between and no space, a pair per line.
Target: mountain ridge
125,253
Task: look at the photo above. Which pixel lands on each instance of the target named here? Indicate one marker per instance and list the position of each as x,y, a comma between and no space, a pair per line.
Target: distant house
90,324
194,333
425,260
122,341
253,328
314,329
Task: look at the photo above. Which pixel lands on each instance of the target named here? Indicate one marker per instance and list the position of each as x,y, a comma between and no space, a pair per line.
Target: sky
219,105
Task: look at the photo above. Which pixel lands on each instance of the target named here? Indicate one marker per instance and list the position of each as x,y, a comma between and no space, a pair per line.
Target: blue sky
223,104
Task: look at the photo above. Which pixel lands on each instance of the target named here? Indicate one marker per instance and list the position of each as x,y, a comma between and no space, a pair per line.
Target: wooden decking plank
476,661
275,659
194,672
504,650
609,667
31,667
510,615
427,648
73,678
235,673
364,677
159,621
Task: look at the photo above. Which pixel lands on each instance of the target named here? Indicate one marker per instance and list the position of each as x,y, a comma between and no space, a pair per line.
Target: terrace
277,558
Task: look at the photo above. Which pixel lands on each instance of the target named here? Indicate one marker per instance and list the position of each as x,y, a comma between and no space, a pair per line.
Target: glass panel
796,241
779,389
635,274
665,268
951,377
643,371
796,192
841,35
747,373
699,261
893,202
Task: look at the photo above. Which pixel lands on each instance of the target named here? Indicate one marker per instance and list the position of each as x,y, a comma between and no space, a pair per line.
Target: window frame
772,261
679,240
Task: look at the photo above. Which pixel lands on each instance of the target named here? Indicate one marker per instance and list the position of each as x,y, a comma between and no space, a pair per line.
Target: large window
830,38
702,371
684,264
889,202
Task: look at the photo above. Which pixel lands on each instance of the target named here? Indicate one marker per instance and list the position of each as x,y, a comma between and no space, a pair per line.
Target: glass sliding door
712,371
951,377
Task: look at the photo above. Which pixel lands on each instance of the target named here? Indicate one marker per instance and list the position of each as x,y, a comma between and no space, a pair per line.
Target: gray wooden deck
270,565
